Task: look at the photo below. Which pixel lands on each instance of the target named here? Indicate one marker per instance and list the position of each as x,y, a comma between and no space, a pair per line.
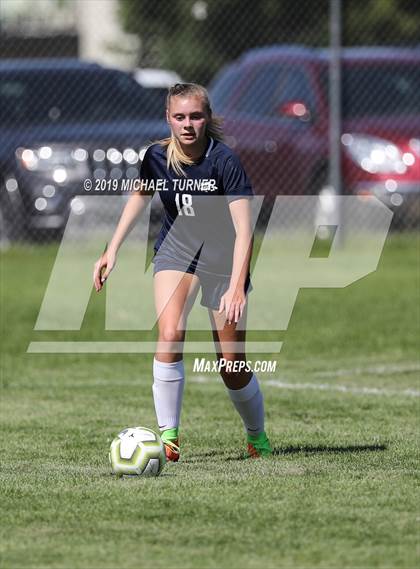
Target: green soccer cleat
172,450
259,446
171,443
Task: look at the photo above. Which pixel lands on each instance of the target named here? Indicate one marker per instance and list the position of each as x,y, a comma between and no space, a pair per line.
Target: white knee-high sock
249,403
168,389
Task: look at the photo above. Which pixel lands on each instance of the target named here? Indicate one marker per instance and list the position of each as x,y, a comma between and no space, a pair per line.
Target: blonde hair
176,157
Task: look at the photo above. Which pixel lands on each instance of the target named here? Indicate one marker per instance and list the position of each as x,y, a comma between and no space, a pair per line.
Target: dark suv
275,104
62,121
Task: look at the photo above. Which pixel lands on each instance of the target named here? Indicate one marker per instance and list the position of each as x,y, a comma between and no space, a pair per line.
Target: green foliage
381,22
173,37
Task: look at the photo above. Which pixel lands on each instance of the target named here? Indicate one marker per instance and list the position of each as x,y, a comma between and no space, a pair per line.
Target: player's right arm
136,203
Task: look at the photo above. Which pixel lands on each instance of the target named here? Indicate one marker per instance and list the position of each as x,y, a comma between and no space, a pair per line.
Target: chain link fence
267,65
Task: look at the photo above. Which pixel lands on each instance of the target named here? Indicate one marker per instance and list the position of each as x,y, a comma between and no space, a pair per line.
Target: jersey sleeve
236,183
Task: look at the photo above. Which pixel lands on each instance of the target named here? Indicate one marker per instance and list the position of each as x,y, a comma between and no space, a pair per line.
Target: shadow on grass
280,451
327,449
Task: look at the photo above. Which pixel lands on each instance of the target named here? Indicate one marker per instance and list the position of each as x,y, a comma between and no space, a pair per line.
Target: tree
196,38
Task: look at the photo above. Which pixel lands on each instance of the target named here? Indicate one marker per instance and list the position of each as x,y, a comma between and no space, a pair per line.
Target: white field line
364,390
342,388
382,369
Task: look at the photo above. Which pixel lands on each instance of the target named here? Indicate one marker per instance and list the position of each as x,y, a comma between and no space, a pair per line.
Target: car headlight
374,155
60,162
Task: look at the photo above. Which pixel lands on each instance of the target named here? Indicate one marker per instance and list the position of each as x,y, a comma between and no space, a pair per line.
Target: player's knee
171,335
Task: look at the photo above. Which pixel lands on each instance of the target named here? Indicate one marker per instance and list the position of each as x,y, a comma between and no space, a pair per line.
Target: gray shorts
213,287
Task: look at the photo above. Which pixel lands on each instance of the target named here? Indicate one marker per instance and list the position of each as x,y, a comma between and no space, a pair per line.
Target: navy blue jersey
197,226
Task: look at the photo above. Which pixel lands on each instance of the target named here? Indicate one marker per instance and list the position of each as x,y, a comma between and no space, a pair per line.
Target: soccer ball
137,451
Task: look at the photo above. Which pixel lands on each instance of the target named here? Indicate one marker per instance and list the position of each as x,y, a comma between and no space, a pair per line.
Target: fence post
335,101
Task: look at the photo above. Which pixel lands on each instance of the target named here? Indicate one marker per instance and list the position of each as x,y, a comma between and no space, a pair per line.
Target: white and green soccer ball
137,451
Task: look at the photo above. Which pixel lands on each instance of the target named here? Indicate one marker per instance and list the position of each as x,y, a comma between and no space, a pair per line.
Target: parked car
156,83
275,104
61,121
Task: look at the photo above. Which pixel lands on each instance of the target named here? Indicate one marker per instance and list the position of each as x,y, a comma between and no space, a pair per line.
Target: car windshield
72,96
380,90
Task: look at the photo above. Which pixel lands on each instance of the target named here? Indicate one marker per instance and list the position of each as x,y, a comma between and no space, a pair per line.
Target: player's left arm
234,300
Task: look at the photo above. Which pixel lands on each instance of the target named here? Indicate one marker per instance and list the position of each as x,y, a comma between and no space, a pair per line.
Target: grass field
341,491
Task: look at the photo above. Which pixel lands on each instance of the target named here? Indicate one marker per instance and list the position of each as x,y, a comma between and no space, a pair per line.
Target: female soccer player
205,239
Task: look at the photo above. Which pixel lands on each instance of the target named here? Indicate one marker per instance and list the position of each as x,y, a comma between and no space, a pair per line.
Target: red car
275,104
